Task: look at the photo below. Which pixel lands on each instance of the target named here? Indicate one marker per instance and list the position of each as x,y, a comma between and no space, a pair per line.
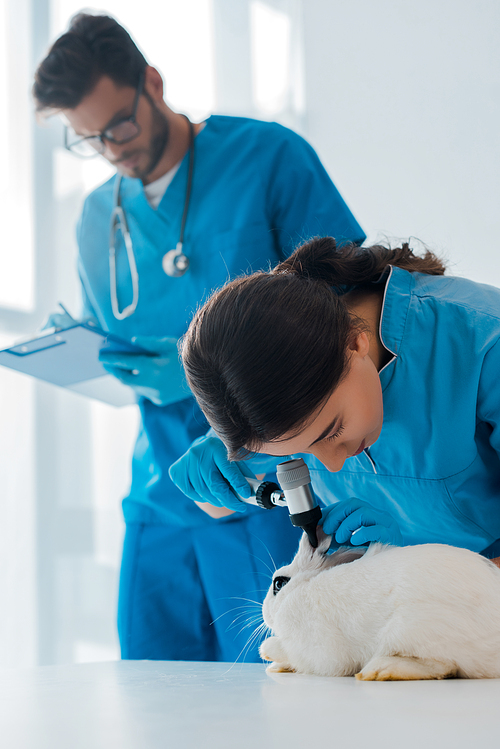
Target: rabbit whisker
236,623
230,611
268,552
256,635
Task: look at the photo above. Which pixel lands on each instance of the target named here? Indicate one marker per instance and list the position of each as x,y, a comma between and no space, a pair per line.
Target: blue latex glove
59,320
355,523
205,474
159,377
63,320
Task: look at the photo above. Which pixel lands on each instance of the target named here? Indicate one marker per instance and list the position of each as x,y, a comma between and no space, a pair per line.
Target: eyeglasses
122,132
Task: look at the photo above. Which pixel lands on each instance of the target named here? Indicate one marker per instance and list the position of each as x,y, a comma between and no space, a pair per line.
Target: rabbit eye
278,583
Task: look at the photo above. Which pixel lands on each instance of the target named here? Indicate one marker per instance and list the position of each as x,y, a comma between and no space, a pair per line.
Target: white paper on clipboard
70,358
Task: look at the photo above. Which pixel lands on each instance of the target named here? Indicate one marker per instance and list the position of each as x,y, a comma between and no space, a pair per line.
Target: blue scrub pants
185,593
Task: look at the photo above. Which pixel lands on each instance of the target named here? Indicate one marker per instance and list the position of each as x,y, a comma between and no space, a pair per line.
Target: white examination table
183,705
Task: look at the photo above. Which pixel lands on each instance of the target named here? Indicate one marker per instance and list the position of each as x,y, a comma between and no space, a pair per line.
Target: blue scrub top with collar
258,190
436,464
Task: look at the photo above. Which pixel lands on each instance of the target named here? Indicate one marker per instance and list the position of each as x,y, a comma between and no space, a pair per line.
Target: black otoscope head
308,521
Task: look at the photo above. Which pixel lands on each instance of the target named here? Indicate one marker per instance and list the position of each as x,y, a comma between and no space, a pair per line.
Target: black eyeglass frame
102,137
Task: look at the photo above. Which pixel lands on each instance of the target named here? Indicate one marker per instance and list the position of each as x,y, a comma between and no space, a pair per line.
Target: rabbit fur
414,612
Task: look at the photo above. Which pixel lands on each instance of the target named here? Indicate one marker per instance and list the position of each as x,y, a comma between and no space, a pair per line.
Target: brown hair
267,349
93,46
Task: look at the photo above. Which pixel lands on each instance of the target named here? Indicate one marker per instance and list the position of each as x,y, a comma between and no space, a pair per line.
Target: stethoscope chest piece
175,263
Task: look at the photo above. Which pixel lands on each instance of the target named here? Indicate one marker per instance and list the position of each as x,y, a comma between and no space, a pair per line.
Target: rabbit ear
318,559
324,541
305,547
309,558
304,553
345,555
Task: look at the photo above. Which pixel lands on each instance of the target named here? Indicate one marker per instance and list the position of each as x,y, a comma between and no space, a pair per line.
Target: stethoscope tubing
189,182
119,219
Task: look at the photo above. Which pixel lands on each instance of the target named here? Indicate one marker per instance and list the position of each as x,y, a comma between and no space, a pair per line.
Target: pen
66,311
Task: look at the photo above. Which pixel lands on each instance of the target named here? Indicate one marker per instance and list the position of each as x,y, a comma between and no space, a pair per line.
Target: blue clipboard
69,358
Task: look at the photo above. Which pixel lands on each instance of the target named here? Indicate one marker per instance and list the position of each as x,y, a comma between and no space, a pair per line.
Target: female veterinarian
379,370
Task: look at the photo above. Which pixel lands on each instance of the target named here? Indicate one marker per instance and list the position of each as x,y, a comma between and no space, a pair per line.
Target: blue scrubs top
258,190
436,464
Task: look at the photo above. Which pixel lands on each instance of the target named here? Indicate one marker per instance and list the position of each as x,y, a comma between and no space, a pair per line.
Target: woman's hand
356,523
205,474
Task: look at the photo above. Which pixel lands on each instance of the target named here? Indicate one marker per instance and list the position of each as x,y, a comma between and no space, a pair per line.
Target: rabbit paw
280,668
272,650
405,668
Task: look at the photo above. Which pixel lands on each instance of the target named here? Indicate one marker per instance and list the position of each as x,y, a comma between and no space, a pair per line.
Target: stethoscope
174,263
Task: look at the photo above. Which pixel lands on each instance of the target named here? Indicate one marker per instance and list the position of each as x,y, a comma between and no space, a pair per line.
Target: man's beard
160,133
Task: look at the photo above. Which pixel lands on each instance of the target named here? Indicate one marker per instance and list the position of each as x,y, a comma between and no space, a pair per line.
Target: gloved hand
59,320
159,377
205,474
354,522
63,321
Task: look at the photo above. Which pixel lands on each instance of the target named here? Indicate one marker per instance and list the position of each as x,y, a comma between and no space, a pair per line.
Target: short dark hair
93,46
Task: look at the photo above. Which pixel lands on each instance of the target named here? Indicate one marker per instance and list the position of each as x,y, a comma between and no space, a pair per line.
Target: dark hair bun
347,265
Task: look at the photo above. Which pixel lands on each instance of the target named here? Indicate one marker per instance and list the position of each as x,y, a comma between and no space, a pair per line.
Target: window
16,214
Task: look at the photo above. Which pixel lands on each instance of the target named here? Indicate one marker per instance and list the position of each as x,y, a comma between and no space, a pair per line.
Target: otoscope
294,492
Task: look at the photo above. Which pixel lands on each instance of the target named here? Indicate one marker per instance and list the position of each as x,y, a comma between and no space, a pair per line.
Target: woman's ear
359,343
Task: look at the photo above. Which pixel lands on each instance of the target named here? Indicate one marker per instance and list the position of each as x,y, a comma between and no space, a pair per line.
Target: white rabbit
417,612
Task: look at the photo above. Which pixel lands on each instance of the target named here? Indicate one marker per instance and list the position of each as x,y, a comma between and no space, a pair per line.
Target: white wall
403,105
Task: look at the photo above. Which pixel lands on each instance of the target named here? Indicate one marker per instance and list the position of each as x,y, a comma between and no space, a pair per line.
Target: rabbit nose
279,582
